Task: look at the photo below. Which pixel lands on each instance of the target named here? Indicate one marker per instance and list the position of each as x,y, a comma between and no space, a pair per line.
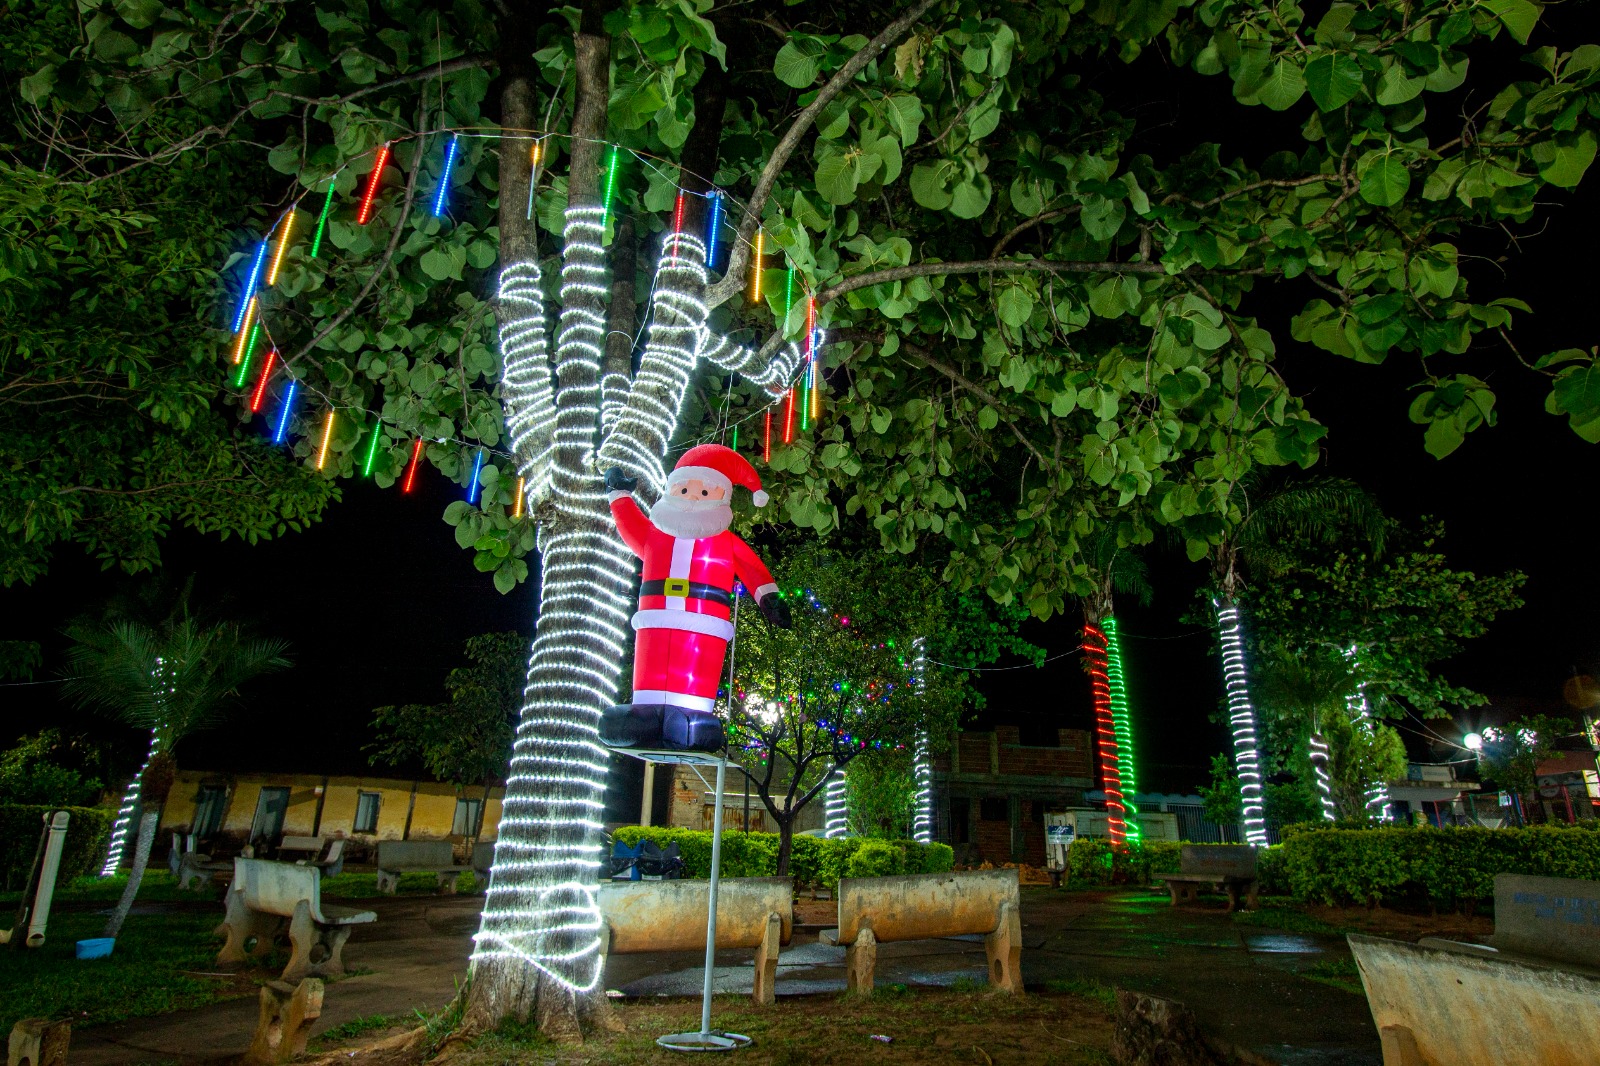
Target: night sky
377,599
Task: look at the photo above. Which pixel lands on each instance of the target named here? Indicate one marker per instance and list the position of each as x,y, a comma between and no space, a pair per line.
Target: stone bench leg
388,881
239,925
860,960
287,1012
1004,949
314,948
766,977
447,884
39,1042
1251,894
1400,1047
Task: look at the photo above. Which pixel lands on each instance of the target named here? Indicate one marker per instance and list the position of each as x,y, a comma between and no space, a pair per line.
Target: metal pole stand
707,1039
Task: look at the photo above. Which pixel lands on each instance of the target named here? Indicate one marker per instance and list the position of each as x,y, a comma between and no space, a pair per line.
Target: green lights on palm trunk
1119,717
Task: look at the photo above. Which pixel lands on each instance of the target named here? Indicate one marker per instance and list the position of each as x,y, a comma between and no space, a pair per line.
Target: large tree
1020,303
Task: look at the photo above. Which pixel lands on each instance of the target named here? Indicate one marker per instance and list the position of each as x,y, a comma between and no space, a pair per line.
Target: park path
1244,983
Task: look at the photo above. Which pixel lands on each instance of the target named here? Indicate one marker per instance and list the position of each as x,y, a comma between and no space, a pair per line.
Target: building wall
690,804
1004,787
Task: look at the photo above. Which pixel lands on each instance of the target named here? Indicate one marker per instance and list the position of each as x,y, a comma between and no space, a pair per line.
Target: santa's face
693,508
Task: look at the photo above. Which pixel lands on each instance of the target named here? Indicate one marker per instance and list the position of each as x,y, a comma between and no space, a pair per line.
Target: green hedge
20,827
812,861
1445,868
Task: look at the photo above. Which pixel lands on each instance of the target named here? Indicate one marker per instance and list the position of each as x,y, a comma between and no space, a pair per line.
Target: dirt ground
925,1026
1399,925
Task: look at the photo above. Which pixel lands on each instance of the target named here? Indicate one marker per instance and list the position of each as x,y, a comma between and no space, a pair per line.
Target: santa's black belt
694,590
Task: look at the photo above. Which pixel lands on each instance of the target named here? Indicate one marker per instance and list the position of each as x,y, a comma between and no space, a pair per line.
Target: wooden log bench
266,896
752,912
437,857
1229,868
880,910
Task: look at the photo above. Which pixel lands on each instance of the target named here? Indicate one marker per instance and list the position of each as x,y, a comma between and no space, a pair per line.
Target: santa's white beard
694,519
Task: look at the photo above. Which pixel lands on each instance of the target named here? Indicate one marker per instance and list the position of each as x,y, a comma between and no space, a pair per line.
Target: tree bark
141,859
785,844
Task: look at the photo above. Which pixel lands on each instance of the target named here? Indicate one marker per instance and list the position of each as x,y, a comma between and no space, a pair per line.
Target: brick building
990,792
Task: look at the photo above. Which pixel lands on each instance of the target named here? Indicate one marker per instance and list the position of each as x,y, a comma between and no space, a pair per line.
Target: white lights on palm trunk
1242,717
1319,767
921,765
835,807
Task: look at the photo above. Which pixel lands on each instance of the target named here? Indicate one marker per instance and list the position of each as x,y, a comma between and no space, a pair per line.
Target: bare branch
1036,220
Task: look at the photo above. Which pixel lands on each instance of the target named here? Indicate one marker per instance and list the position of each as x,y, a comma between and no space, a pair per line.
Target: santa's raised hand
684,620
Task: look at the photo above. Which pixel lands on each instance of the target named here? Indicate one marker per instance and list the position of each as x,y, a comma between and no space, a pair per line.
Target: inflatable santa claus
684,621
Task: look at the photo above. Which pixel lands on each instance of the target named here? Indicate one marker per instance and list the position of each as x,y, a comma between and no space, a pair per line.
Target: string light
288,405
248,307
788,417
261,383
921,764
124,820
677,223
472,486
243,359
411,470
1242,716
611,185
327,436
1116,684
835,807
243,332
516,505
372,449
373,181
533,172
444,178
711,229
322,220
788,298
1319,768
1377,793
755,269
766,444
286,226
1094,655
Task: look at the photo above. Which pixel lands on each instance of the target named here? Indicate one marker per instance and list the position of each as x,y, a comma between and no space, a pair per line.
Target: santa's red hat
718,465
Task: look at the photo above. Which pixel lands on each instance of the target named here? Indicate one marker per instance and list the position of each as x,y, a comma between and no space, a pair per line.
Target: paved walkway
1243,983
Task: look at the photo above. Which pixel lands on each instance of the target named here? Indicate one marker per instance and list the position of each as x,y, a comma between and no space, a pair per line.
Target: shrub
20,826
1444,868
1095,862
876,858
812,860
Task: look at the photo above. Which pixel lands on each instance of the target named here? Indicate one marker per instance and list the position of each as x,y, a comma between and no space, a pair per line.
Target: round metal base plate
712,1041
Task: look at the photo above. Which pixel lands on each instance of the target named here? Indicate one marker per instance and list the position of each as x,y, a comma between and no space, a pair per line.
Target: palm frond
1316,511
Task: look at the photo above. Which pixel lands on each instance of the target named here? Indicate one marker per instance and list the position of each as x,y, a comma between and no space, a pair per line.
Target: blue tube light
283,416
444,179
250,287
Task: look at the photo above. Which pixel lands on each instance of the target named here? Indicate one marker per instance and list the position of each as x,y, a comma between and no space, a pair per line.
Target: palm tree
1111,569
1305,693
172,677
1316,511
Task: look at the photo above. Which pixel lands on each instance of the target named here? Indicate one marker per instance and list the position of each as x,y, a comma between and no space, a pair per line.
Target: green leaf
798,63
140,14
1015,305
1518,16
1384,180
1395,87
1333,80
1026,196
36,87
1567,162
927,184
1282,87
838,176
444,262
1576,394
905,113
988,418
969,199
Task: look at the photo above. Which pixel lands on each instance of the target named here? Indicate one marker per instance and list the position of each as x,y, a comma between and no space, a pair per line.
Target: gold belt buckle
675,586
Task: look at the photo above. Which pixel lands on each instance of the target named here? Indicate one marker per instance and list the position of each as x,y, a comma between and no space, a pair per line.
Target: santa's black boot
628,725
687,730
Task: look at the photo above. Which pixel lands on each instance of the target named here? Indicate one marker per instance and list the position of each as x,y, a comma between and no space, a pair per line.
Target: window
208,805
994,809
466,822
270,808
960,819
366,812
1038,812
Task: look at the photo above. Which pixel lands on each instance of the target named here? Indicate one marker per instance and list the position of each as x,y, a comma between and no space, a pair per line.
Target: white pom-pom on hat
760,497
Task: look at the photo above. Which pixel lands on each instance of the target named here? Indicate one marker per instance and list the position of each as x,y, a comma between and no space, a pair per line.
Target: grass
1085,988
159,886
1285,916
145,975
355,1027
1338,971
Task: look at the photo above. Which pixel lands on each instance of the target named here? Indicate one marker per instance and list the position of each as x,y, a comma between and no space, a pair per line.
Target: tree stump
1152,1031
39,1042
287,1012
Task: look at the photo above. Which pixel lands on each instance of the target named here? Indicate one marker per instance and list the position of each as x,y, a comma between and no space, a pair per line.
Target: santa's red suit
684,621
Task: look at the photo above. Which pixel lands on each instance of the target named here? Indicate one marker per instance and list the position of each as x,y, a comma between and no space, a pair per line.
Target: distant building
990,792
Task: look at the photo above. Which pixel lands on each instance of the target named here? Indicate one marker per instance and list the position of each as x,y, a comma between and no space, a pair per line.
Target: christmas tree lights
288,405
248,297
1094,657
411,469
516,505
373,181
1319,767
836,807
1242,717
1377,794
472,486
712,227
286,228
245,320
444,178
243,358
755,268
257,397
534,154
1116,684
372,450
611,188
921,764
327,436
766,440
322,220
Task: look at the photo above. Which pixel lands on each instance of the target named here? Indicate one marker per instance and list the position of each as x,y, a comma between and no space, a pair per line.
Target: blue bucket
98,948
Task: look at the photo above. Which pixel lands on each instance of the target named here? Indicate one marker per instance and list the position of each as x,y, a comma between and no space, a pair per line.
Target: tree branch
733,281
1036,220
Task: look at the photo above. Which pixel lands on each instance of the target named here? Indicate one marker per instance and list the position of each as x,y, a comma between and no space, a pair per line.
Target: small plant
1085,988
359,1026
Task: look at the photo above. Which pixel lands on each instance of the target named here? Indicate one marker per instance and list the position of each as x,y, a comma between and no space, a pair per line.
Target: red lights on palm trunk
1094,655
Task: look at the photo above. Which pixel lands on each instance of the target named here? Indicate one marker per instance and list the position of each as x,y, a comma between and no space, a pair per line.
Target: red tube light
373,181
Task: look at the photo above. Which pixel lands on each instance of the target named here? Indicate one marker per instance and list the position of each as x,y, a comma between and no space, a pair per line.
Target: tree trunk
141,859
118,841
1241,715
785,844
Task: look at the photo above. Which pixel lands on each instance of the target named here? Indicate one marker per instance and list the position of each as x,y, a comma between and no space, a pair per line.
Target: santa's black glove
775,610
617,481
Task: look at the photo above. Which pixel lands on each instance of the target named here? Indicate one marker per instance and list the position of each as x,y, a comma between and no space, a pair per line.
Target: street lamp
1473,742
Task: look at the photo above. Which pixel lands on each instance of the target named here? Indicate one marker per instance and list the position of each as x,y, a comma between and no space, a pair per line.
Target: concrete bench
752,912
264,896
396,857
1229,868
290,848
482,860
880,910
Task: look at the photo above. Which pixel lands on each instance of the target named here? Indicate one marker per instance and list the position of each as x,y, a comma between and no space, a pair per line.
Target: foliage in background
1512,752
817,861
881,795
1096,862
29,775
466,740
19,659
1221,800
1449,868
20,826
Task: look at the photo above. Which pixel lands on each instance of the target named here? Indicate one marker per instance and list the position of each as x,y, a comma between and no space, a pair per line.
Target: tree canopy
1037,326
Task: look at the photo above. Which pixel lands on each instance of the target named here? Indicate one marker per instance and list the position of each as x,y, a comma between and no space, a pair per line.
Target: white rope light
1242,716
921,765
836,807
541,909
124,821
1377,794
1319,766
